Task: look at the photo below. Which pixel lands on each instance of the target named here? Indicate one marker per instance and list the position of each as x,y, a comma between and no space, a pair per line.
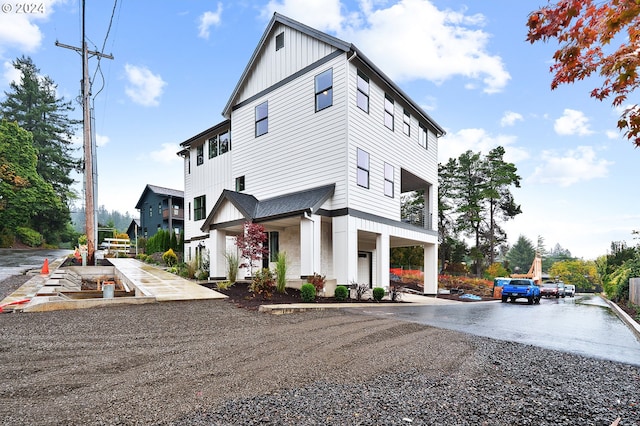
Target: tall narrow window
240,184
363,168
388,112
160,209
213,147
388,180
200,155
224,142
422,136
189,210
199,207
150,211
262,119
324,90
406,126
280,41
363,92
272,244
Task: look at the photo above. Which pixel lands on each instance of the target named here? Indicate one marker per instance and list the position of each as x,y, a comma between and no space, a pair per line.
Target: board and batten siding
271,66
303,149
369,133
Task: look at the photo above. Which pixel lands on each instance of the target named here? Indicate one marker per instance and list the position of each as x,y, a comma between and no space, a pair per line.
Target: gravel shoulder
209,362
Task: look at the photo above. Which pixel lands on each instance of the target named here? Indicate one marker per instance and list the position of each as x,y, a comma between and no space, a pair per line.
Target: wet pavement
583,325
17,262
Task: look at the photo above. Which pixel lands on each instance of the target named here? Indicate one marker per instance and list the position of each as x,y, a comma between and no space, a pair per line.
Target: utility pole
89,155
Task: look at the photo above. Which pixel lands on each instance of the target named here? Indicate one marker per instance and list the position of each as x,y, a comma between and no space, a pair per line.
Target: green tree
521,255
25,197
34,105
582,274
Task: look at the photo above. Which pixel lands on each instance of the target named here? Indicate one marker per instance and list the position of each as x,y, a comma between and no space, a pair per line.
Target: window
200,155
219,144
188,160
262,119
422,136
280,41
363,92
324,90
159,209
272,244
363,168
199,207
189,210
388,180
388,112
240,183
150,211
406,127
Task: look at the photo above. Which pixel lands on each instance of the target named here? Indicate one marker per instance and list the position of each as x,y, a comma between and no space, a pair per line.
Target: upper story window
363,168
262,118
388,180
363,92
199,207
280,41
160,209
200,155
324,90
150,211
388,112
219,144
187,159
240,184
422,136
406,126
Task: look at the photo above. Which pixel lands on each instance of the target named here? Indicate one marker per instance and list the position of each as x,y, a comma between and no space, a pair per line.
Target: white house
317,145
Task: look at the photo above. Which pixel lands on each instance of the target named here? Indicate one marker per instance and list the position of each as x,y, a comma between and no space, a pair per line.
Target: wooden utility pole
89,155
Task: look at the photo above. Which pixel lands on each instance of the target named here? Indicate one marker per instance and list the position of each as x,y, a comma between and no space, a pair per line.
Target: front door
364,268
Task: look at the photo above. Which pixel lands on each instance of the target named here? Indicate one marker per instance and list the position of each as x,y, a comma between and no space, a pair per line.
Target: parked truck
521,288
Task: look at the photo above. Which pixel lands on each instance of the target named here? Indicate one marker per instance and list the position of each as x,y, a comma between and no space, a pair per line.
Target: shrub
378,293
223,285
341,292
263,283
281,272
29,237
308,293
203,275
6,239
169,257
82,240
232,266
318,281
360,289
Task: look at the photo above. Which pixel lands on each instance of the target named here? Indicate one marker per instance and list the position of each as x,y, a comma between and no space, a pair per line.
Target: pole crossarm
79,50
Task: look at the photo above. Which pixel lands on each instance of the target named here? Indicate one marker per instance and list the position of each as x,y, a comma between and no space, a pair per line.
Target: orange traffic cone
45,267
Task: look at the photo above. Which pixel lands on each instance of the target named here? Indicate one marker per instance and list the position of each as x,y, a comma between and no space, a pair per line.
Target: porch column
345,250
430,269
310,245
382,260
217,246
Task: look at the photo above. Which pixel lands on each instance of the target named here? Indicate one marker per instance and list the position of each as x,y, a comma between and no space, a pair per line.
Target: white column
217,246
345,250
382,260
430,269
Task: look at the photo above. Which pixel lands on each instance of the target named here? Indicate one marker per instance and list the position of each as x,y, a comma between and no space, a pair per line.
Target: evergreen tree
32,103
521,255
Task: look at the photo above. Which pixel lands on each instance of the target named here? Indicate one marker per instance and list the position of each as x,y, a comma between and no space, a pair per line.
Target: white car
570,290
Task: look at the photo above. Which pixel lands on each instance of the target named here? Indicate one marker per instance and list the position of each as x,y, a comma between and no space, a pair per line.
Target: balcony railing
417,216
175,214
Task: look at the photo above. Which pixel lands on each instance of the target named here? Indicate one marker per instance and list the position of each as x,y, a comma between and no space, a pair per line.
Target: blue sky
466,62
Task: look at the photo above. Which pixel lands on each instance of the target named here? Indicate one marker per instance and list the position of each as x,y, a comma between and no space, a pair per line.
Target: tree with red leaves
251,244
585,30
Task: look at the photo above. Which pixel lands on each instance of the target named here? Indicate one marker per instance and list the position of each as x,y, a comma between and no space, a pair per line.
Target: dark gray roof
286,205
160,191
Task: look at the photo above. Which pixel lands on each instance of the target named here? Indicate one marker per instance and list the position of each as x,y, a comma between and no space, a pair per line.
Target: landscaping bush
378,293
341,293
318,282
232,266
169,257
308,293
29,237
263,283
6,239
281,272
203,275
223,285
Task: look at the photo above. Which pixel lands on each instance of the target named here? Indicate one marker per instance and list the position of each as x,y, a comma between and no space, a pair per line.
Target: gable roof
288,205
348,48
176,193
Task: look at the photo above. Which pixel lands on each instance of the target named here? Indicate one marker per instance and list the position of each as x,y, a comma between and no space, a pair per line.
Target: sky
465,62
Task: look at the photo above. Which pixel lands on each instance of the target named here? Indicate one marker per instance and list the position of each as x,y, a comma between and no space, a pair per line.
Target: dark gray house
160,208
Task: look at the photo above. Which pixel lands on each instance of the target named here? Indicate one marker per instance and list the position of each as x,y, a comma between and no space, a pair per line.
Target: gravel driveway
207,362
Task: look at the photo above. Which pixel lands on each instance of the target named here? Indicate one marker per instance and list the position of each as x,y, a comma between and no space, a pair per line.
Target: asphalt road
583,325
16,262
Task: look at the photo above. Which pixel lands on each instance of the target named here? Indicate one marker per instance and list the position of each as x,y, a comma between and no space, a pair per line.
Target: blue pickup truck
518,288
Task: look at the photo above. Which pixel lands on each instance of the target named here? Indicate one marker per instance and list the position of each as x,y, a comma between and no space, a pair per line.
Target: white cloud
612,134
451,43
509,118
101,140
19,29
167,154
576,165
10,74
478,140
207,19
572,122
144,87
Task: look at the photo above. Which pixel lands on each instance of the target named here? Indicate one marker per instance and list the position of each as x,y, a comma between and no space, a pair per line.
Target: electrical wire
104,44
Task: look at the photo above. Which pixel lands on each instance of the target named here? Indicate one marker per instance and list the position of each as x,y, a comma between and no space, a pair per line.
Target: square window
262,119
324,90
280,41
363,169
